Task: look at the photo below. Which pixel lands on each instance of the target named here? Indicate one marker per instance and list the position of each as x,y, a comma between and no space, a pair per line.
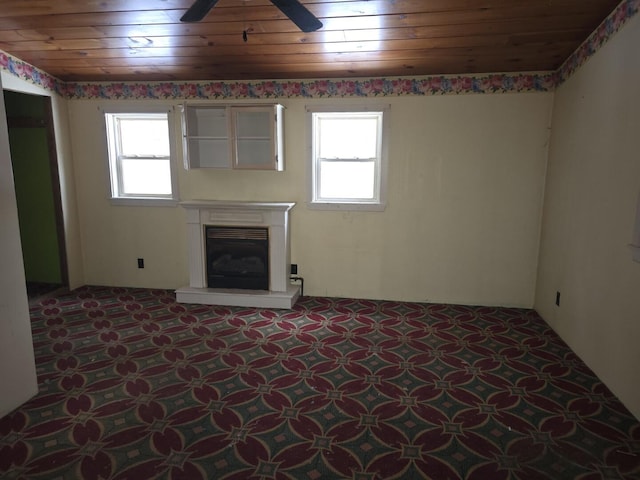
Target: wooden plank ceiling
143,40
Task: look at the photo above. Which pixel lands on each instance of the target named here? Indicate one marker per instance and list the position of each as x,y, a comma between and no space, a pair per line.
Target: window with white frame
141,153
348,157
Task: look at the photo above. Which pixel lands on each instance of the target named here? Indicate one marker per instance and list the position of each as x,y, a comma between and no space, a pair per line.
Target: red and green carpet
136,386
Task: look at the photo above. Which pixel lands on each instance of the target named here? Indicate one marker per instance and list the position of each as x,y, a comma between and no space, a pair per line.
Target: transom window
348,158
140,156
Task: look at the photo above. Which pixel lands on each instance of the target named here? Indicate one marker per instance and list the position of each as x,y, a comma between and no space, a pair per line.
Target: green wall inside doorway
34,189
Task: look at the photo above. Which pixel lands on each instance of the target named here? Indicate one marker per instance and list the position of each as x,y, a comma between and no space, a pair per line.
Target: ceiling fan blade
198,10
298,13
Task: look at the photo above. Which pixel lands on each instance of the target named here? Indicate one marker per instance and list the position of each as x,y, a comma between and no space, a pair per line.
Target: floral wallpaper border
28,72
377,87
605,31
374,87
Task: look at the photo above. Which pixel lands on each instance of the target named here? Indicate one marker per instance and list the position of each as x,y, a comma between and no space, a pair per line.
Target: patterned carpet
136,386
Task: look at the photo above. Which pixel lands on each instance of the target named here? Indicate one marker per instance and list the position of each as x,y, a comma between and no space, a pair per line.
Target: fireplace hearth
239,254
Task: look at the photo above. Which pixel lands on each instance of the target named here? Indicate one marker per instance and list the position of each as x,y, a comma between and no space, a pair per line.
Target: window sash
343,192
143,123
317,188
160,184
348,129
117,158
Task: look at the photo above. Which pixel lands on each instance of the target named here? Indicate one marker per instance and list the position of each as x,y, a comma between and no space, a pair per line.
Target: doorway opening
37,184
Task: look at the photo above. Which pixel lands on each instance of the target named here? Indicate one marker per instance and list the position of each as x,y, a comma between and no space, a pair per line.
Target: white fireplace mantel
272,215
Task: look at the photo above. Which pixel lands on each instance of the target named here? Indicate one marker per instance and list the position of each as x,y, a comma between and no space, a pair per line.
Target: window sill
144,202
365,207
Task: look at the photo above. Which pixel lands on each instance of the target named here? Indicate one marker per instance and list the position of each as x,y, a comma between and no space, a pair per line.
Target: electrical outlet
294,269
141,263
558,299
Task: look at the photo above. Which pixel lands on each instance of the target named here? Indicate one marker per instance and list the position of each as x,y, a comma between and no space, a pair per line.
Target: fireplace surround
204,216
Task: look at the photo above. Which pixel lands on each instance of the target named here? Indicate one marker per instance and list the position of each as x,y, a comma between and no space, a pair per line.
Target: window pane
347,180
259,152
253,124
207,122
144,137
348,137
146,177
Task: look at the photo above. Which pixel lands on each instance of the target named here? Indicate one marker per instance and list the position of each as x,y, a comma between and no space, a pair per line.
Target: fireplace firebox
237,257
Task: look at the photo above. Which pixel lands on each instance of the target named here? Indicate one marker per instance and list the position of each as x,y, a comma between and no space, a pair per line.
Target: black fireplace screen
237,257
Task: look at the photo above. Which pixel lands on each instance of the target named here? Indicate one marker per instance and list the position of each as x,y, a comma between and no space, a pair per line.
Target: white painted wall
591,196
18,380
466,177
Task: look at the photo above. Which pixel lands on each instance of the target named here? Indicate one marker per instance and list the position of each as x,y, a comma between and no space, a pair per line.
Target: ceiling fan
298,13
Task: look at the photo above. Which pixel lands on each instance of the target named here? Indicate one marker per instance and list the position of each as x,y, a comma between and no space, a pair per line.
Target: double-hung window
348,157
141,157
